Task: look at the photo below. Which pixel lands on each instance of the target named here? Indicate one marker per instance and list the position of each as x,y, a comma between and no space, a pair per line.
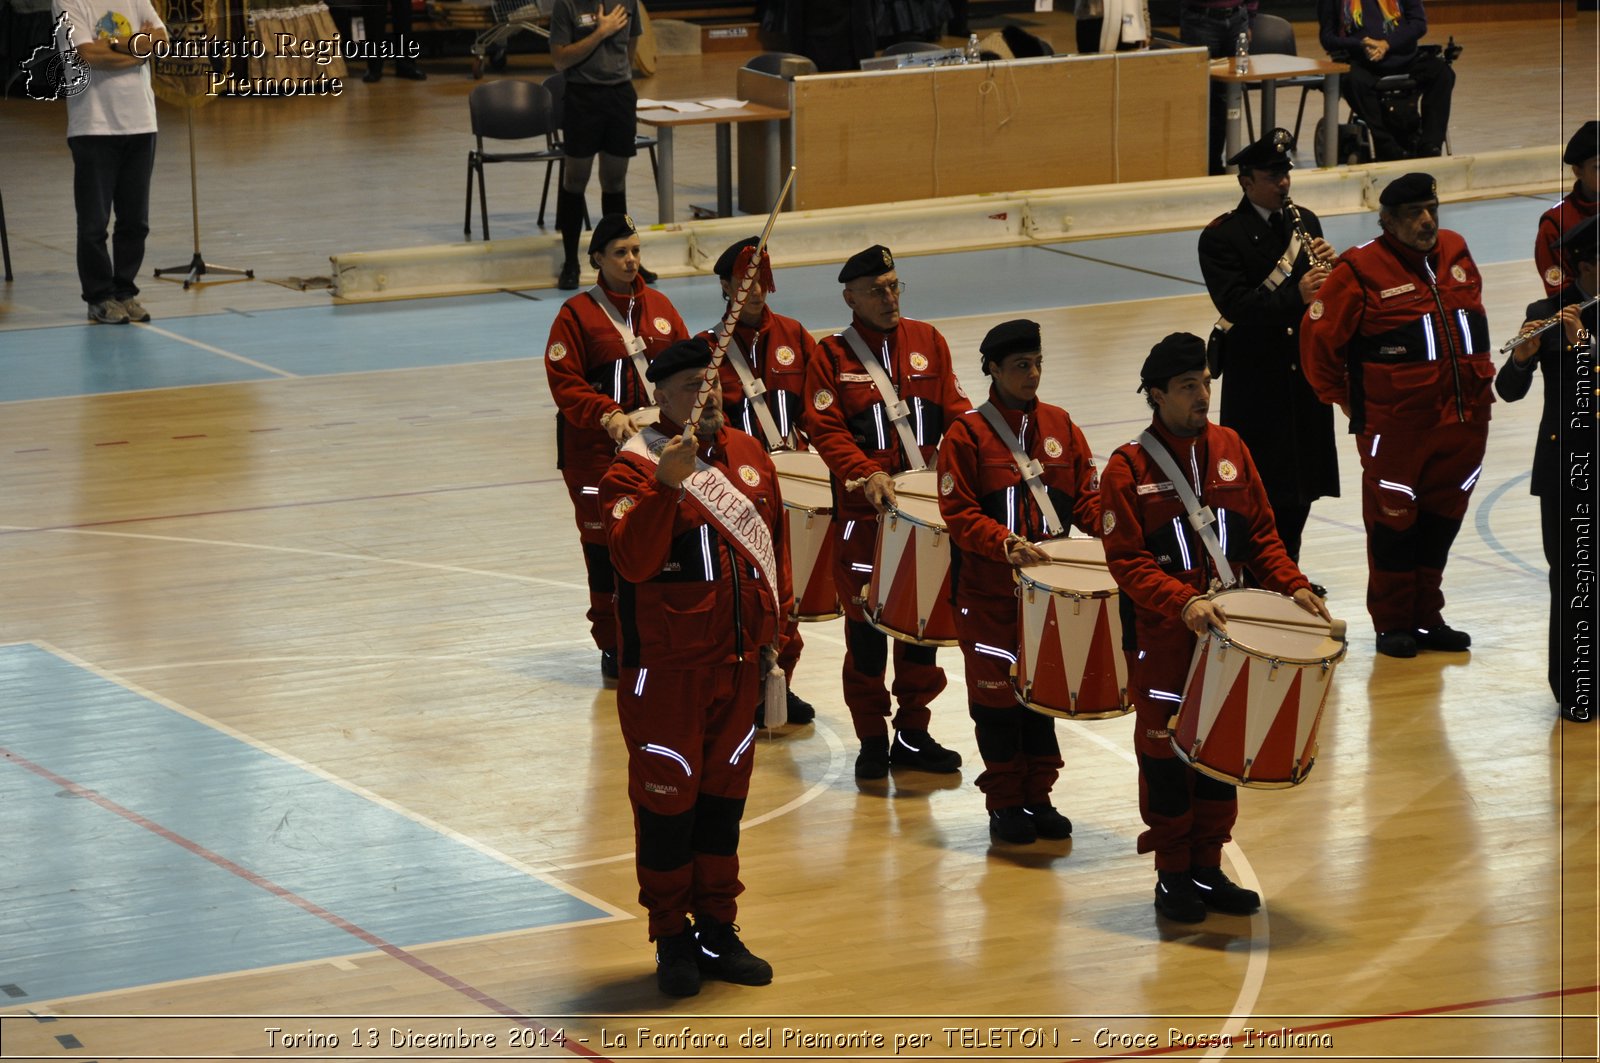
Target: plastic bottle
1241,55
972,53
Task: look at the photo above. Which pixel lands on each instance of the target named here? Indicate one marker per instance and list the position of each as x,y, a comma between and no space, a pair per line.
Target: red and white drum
1255,695
1069,635
808,513
909,596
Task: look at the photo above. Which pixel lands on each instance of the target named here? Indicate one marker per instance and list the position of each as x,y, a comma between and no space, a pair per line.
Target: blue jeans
111,173
1217,32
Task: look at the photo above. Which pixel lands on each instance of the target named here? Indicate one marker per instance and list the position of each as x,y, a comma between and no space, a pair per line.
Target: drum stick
736,306
1274,621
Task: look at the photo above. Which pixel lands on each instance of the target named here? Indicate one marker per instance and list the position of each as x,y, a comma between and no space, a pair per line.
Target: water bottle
972,55
1241,55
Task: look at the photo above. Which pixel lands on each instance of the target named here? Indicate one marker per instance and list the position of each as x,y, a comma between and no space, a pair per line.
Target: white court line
217,351
303,551
327,776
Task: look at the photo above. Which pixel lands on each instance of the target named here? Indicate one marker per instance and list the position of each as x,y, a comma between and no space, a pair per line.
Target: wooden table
1266,71
665,121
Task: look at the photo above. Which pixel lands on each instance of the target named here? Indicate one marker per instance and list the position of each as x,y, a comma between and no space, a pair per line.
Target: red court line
281,505
417,963
1368,1020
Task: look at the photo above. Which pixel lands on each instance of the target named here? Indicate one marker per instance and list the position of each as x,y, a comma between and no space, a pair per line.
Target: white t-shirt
115,101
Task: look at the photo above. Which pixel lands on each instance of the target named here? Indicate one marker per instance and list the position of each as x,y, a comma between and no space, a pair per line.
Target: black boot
569,219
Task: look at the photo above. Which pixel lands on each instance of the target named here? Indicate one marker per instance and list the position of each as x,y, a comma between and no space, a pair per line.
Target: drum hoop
1027,580
1249,784
1260,655
911,518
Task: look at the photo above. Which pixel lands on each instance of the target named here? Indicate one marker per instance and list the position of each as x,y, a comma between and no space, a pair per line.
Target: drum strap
899,412
1201,518
756,391
1032,472
1280,273
632,343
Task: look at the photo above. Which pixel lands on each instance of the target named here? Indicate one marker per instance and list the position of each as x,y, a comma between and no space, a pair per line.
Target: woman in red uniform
600,343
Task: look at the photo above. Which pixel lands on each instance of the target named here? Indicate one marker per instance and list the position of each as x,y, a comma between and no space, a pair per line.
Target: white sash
1032,472
899,412
1280,271
754,390
634,344
729,509
1201,518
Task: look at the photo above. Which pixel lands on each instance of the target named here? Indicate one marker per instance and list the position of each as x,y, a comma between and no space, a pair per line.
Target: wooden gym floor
302,731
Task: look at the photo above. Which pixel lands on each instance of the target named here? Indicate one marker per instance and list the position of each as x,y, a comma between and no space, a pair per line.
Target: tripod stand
197,266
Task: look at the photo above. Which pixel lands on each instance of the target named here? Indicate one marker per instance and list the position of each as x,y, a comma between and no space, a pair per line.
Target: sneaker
722,955
677,967
649,276
608,667
1177,899
1048,823
1012,824
1221,894
917,750
1444,638
411,73
873,760
800,710
109,312
568,281
1397,644
135,310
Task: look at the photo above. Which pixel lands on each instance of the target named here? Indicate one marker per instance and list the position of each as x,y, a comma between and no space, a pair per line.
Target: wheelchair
1400,98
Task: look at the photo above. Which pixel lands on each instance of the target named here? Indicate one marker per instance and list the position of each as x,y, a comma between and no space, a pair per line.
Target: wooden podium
924,132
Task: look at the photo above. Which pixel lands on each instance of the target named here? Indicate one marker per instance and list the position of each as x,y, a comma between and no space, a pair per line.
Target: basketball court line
208,348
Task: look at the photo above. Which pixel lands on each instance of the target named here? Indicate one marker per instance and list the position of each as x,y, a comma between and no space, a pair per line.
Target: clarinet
1316,260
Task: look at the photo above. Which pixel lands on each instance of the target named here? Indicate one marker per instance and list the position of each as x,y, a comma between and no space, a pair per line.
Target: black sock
569,219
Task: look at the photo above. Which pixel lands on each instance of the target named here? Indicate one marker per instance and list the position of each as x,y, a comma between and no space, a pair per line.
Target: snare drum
808,515
1069,635
1254,697
909,596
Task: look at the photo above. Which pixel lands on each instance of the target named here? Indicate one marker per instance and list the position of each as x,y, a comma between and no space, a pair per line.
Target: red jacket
1552,223
1156,556
590,370
983,498
685,598
777,351
1401,339
847,420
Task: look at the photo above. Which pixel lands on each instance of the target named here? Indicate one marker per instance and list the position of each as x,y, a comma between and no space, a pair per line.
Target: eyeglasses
882,291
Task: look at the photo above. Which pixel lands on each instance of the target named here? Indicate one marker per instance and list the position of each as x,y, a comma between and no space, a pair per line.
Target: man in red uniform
600,343
695,523
995,517
1398,338
1583,155
1164,569
775,351
866,437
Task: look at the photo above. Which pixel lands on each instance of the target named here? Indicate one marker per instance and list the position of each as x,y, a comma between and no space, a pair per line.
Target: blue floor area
312,341
95,902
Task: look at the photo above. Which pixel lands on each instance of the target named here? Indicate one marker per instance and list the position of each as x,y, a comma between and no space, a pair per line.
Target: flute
1539,328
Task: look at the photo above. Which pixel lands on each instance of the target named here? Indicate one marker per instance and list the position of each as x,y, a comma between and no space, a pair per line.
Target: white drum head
916,495
803,478
1077,566
1272,626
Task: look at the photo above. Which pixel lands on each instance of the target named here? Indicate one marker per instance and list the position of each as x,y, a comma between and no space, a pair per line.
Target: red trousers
1021,758
584,490
1415,487
1188,816
691,745
917,678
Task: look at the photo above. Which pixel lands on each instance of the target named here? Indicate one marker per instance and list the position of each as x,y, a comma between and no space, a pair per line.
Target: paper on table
723,104
684,106
646,104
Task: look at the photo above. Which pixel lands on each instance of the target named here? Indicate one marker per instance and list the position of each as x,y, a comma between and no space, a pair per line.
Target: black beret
1581,243
1274,151
875,261
725,262
1181,352
1019,336
609,228
692,353
1584,145
1411,188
